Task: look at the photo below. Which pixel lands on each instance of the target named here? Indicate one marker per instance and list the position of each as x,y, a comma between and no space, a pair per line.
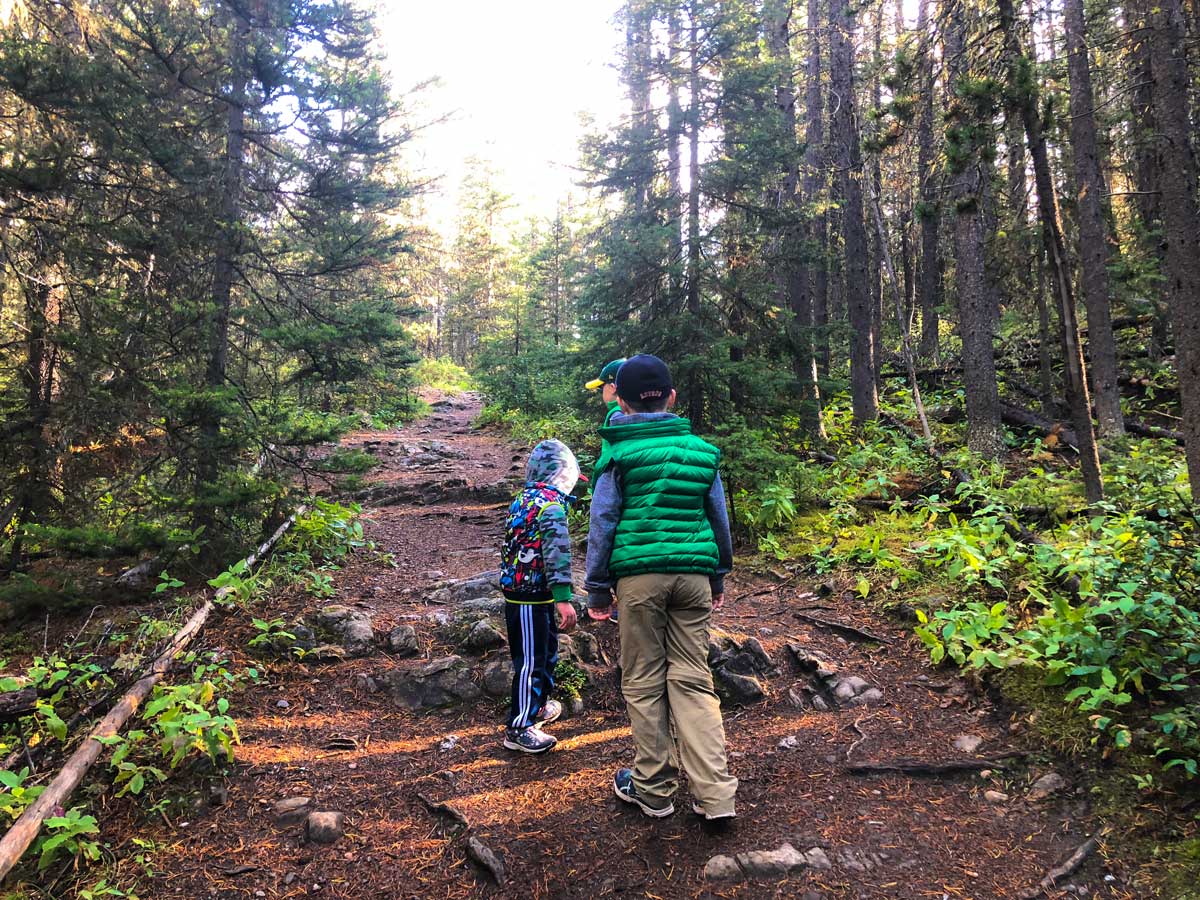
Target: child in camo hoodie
535,575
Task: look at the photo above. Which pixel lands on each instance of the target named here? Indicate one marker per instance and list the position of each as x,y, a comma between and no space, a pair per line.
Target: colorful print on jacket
536,562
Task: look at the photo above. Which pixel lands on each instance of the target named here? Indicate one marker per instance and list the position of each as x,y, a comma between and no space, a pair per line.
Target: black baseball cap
644,378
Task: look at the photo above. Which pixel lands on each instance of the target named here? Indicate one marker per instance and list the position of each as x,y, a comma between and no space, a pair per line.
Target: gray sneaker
551,710
528,740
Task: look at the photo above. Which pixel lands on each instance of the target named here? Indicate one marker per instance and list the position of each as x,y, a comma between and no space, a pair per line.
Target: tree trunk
228,246
695,399
674,181
975,294
1146,162
816,229
875,252
848,181
929,270
794,280
1093,234
1045,372
1180,218
1024,97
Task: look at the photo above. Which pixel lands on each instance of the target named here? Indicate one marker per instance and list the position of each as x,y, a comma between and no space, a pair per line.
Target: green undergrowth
187,719
442,374
1092,636
566,425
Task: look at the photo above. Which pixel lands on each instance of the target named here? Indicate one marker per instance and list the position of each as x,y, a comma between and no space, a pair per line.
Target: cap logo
645,395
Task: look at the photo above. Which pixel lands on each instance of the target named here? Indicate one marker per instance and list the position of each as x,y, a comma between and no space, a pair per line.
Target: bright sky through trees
515,78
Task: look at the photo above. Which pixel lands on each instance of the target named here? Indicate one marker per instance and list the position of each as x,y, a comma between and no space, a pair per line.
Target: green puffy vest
666,472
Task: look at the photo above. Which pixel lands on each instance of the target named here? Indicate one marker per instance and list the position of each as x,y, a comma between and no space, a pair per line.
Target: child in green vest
659,538
605,382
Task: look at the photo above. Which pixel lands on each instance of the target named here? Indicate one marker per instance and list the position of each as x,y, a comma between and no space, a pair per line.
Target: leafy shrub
442,374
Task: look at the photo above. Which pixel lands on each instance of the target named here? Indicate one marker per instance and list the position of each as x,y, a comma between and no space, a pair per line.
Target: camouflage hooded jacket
536,561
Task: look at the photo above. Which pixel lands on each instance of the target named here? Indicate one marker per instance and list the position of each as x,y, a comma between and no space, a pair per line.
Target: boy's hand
718,601
566,612
600,615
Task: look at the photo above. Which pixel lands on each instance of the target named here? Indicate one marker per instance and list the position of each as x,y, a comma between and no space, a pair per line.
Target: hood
553,463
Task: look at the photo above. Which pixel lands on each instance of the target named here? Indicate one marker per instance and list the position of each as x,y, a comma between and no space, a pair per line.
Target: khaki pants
664,626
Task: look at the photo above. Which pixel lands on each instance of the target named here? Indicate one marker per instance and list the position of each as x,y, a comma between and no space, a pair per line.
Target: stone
737,690
566,648
771,863
816,858
402,640
739,655
484,856
588,649
967,743
723,868
497,677
811,661
366,683
325,827
448,743
1046,786
846,689
489,606
995,796
791,742
292,810
352,626
869,697
327,653
575,705
282,704
484,636
441,682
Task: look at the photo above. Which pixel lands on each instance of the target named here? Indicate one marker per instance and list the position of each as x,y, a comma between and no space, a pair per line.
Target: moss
569,679
1059,725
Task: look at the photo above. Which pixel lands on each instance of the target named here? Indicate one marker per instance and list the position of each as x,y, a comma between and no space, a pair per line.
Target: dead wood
1066,870
909,766
23,831
851,631
443,810
15,704
482,855
1133,426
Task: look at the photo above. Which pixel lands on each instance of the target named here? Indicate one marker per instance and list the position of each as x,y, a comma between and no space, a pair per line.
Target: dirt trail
314,730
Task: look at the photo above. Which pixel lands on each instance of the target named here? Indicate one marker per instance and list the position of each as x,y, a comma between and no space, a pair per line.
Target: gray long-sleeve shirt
607,505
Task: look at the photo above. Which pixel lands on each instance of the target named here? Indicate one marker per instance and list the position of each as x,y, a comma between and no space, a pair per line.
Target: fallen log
857,634
15,704
910,766
1142,429
23,831
1066,870
1012,414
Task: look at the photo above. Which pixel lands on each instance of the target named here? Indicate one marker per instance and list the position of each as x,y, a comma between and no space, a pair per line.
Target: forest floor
316,730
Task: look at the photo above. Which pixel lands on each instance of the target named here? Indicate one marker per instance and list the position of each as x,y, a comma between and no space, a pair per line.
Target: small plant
236,586
68,833
16,796
269,634
167,582
569,679
320,584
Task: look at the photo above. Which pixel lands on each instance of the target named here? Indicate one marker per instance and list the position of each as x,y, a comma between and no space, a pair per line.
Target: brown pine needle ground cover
312,730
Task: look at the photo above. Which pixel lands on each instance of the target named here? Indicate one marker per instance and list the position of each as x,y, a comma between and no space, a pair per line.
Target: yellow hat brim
595,384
